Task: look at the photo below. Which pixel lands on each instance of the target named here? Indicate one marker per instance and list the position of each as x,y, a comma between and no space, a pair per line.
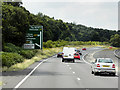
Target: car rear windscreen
105,61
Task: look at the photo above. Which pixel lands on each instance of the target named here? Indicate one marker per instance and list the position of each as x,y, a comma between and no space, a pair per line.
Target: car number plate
65,56
106,66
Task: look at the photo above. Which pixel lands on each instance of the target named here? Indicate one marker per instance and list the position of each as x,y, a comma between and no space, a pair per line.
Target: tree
15,24
115,40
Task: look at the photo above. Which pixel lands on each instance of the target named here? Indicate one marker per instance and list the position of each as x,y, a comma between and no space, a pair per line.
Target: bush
28,54
48,44
9,47
9,59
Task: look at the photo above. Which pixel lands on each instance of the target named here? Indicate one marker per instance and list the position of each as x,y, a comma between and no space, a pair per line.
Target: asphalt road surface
53,73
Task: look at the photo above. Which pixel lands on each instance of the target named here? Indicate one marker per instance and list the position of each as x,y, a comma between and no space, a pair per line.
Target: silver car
103,65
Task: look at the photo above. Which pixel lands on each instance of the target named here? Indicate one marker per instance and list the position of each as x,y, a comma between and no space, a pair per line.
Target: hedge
9,59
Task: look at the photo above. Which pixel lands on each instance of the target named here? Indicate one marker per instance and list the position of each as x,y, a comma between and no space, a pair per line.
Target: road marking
68,65
92,56
21,82
70,68
78,79
84,59
73,72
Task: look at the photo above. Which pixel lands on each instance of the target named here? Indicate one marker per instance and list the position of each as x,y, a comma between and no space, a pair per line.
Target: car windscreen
105,61
76,54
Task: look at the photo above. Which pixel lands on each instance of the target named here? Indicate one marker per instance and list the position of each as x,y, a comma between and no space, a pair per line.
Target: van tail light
113,66
62,53
98,65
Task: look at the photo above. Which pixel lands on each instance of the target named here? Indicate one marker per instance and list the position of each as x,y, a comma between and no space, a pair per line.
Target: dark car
78,51
60,54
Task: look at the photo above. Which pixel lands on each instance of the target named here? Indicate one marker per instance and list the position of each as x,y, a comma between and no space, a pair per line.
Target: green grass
1,83
108,47
45,53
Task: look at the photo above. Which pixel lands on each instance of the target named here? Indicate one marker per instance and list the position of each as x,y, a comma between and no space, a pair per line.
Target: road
52,73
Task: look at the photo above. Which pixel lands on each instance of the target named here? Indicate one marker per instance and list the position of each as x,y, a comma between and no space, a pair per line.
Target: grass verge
41,54
1,83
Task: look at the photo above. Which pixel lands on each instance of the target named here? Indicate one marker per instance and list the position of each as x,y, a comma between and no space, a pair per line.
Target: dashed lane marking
73,72
78,78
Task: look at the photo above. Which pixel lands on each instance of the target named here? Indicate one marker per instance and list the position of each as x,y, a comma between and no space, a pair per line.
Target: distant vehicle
103,65
110,47
78,51
83,48
60,54
77,56
68,54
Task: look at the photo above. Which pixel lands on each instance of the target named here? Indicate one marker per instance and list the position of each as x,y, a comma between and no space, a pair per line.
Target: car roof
104,58
76,53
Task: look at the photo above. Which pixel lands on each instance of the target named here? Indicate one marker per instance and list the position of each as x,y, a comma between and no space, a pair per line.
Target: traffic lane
83,71
11,78
91,50
107,53
52,74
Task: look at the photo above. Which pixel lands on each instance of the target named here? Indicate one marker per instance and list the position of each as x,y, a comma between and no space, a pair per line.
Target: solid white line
84,59
92,56
21,82
67,65
78,78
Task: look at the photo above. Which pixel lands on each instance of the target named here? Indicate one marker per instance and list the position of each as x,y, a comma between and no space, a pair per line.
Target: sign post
34,37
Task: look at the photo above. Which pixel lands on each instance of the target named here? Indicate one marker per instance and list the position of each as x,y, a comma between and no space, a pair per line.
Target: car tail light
113,66
98,65
62,53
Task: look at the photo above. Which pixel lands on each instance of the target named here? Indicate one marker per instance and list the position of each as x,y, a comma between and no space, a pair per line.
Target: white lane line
70,68
23,80
91,55
78,78
73,72
68,65
85,60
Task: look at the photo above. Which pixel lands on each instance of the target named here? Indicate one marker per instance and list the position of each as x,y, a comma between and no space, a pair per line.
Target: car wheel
62,60
95,73
113,74
92,72
73,60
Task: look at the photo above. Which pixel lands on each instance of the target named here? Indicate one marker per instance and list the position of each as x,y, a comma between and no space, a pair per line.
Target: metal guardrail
117,53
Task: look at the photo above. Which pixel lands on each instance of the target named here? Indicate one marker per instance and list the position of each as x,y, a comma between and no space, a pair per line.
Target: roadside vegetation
56,34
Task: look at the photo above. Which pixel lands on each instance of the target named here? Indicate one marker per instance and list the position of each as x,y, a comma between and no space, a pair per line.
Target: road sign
34,37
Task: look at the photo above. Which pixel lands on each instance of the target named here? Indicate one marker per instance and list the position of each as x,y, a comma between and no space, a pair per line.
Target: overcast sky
95,13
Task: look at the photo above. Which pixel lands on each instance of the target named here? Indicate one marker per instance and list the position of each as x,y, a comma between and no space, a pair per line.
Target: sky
91,13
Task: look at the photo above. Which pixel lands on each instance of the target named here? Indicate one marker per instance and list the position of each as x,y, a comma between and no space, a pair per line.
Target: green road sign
34,37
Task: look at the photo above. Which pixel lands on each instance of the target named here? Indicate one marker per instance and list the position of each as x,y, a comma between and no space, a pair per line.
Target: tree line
16,20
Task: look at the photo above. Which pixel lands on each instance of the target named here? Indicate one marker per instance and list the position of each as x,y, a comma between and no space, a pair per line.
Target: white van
68,54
